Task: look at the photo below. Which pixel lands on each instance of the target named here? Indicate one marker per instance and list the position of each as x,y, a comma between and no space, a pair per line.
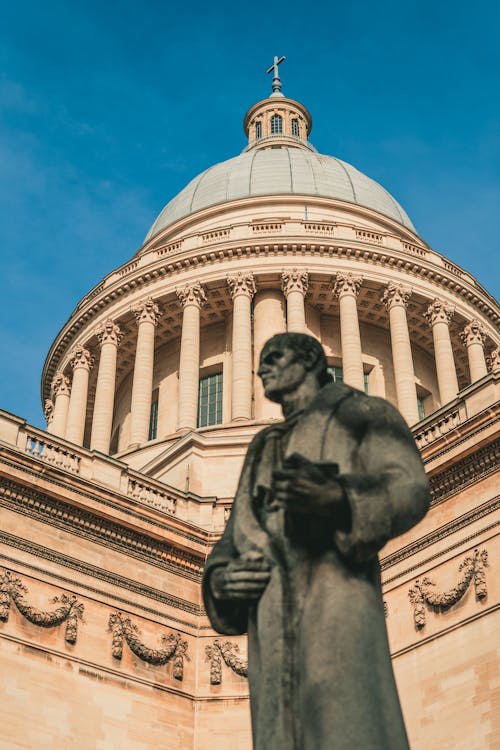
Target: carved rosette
48,410
70,610
81,357
192,294
294,281
174,649
423,592
473,333
396,294
346,283
493,360
109,332
229,653
241,283
147,310
60,384
439,312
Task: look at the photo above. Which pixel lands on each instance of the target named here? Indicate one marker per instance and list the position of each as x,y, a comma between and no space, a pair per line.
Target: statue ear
310,359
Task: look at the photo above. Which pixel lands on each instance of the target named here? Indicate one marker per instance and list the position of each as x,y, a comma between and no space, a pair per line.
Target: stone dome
280,171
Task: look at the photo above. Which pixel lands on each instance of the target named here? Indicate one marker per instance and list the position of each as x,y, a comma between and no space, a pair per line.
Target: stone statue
319,495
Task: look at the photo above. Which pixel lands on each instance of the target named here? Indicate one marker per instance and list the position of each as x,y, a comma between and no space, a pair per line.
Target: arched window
295,128
276,124
258,130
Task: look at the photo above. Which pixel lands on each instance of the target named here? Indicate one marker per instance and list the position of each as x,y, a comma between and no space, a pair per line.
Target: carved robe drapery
319,665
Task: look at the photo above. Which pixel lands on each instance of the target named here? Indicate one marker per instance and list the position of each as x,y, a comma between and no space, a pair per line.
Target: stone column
268,319
81,362
60,397
147,314
346,286
192,297
109,335
439,315
294,284
473,337
242,288
396,298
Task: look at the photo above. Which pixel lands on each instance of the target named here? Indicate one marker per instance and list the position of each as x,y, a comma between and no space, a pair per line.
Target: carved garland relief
70,610
229,653
174,649
424,593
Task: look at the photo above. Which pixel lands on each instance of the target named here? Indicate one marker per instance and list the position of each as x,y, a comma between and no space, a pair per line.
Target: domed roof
279,171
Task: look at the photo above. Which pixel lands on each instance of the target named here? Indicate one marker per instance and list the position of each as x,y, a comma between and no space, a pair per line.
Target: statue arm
388,491
227,616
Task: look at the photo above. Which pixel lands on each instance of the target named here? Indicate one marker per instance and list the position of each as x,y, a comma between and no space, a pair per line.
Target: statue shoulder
363,412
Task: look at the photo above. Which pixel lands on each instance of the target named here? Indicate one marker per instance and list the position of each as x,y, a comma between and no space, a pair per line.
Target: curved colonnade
395,319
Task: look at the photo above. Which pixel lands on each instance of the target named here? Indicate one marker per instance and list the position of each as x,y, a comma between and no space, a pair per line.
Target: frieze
424,593
229,653
465,472
103,531
70,610
174,649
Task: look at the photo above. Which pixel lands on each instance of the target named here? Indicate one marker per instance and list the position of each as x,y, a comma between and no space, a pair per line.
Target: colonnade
67,409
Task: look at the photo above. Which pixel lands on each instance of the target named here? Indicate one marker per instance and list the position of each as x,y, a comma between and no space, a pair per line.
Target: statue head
288,360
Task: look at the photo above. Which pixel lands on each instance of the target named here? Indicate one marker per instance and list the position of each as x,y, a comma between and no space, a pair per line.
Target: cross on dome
276,84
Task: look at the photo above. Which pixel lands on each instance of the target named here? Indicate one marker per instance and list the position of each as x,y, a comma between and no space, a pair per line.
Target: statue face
281,370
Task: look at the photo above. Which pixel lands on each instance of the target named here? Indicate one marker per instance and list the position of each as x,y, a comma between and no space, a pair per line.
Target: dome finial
276,84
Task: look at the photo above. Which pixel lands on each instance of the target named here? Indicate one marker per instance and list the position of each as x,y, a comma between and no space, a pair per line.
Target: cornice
408,264
468,471
103,531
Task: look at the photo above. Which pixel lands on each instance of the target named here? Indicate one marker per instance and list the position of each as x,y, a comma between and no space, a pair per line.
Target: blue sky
109,109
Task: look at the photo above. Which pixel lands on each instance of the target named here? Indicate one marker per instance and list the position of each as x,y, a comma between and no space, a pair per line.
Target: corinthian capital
192,294
109,332
473,333
493,360
346,283
48,410
60,384
241,283
81,357
439,312
294,281
147,310
396,294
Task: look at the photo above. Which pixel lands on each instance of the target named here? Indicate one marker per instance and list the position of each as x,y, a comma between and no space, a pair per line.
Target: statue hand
303,487
243,579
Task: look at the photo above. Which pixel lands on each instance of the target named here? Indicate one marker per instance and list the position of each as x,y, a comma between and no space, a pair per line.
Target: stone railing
438,424
46,448
479,400
151,494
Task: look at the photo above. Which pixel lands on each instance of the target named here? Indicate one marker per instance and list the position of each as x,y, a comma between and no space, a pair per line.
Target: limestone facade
114,508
